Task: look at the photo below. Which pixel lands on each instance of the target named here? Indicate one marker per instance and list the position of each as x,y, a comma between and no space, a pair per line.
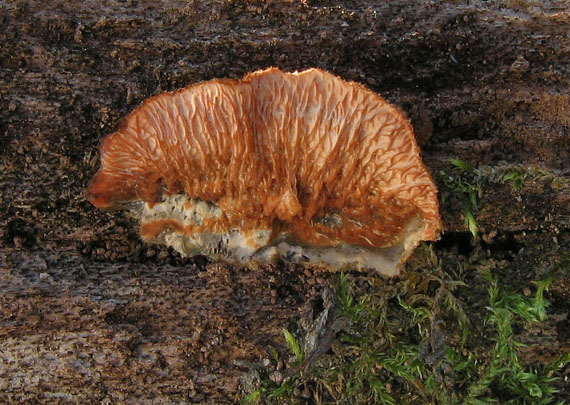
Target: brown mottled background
89,314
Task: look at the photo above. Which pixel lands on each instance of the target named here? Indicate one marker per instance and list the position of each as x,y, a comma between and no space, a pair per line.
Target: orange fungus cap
301,166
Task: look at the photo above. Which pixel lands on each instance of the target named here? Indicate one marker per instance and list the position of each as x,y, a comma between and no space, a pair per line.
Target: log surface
88,313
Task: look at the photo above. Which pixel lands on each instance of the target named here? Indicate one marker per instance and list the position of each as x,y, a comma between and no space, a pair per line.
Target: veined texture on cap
302,166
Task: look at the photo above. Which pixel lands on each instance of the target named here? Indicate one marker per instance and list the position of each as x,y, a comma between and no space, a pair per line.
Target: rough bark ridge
88,313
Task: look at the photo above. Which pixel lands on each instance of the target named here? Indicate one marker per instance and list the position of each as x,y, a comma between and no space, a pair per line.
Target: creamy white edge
236,247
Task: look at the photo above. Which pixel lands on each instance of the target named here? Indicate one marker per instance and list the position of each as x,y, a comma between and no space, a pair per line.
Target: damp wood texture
90,314
303,167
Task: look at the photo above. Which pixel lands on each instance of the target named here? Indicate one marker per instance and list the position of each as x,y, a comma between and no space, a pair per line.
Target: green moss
462,183
411,342
462,186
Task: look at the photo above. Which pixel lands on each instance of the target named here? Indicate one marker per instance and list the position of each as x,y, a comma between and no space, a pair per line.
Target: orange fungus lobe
300,166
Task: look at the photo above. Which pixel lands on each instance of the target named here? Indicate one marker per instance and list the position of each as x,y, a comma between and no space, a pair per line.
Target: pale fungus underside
303,167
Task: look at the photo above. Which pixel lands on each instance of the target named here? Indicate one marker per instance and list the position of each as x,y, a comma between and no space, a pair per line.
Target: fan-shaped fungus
301,166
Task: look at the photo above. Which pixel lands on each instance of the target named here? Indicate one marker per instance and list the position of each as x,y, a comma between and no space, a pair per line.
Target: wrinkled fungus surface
303,166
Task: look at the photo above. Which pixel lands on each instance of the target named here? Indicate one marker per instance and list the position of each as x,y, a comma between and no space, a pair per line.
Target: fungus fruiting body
303,167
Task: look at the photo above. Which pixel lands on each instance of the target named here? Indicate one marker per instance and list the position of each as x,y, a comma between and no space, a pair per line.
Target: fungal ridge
299,159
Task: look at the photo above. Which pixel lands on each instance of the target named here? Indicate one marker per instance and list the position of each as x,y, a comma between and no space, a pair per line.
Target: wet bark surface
89,313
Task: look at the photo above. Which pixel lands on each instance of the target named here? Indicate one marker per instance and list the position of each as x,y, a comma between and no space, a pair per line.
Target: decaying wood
88,313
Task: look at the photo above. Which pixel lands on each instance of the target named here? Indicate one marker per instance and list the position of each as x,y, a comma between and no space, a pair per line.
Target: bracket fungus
303,167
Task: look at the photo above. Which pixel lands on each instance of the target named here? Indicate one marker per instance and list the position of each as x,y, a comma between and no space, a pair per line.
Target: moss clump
411,341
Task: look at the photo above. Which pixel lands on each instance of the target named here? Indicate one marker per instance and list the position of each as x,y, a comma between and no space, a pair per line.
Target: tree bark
89,313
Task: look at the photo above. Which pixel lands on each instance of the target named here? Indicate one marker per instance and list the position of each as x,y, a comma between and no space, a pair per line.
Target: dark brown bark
88,313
